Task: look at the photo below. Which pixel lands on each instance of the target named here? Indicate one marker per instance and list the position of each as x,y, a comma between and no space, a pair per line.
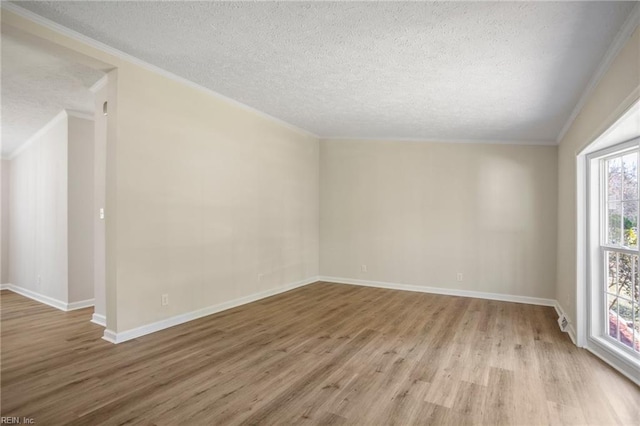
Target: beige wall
616,92
214,202
80,209
50,210
206,201
4,221
418,213
38,214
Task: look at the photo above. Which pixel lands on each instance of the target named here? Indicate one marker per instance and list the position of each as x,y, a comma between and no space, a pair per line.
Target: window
619,246
613,293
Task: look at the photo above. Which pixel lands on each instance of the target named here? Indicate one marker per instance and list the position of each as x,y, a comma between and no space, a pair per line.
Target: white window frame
598,341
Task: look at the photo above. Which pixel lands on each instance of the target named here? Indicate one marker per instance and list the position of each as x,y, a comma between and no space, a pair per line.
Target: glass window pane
614,179
614,218
635,287
625,323
630,176
630,214
612,314
636,326
621,211
625,274
612,272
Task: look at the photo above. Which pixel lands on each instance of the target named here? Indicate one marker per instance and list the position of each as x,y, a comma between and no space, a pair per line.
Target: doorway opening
53,173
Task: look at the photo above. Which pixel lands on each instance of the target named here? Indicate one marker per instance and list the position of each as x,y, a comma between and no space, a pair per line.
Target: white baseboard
80,304
444,291
110,336
99,319
571,331
123,336
58,304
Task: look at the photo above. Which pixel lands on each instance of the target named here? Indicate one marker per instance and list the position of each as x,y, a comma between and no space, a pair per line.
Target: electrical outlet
165,299
363,268
460,276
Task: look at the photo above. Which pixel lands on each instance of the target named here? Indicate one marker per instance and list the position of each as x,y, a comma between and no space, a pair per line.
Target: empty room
350,212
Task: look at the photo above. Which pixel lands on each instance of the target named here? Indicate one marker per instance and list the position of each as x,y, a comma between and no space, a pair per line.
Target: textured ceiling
35,87
464,71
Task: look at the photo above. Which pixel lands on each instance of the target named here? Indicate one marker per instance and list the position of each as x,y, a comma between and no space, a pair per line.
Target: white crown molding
99,84
123,336
98,319
84,115
444,291
455,141
623,34
626,30
60,116
53,26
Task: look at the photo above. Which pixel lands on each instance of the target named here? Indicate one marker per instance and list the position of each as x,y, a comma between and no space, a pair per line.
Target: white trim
626,30
53,26
123,336
59,116
110,336
615,359
99,319
58,304
85,115
99,84
445,291
80,304
571,331
460,141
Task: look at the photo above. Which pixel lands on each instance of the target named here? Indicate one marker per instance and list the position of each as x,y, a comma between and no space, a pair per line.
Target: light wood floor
321,354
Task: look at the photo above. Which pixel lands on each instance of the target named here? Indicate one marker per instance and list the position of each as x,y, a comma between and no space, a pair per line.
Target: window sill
626,363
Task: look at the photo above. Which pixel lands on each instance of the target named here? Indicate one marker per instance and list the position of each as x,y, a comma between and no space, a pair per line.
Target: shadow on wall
505,196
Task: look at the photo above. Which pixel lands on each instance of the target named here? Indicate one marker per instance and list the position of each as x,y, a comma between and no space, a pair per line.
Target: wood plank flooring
321,354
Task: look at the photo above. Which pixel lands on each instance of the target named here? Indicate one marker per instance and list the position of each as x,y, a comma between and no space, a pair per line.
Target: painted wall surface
617,91
206,201
214,202
4,221
80,209
418,213
38,214
99,187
